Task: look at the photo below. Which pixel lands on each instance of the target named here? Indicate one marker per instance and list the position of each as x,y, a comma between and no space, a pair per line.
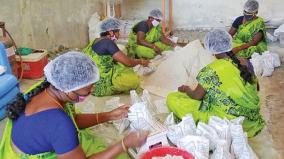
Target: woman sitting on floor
225,89
116,73
44,125
248,32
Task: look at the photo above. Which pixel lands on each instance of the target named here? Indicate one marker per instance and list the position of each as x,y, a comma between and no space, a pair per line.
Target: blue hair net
109,24
218,41
71,71
156,13
251,6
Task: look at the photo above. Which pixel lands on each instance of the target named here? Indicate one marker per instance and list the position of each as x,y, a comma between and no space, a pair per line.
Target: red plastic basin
163,151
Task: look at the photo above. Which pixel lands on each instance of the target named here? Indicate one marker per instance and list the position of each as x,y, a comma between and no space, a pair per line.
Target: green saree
245,34
153,36
114,77
227,96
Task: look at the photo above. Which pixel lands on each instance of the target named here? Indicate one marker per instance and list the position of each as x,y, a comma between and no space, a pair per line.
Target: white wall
202,13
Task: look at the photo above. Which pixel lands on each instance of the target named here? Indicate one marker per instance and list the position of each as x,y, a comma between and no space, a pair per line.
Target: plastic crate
33,65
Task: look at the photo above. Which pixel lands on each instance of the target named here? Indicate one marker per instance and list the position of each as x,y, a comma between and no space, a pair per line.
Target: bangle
97,117
123,146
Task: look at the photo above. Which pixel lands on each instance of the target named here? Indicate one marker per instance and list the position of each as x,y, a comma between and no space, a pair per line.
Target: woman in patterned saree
248,32
225,89
116,73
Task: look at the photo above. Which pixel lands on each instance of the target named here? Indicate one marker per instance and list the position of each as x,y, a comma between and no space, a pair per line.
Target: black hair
245,73
104,33
107,32
18,104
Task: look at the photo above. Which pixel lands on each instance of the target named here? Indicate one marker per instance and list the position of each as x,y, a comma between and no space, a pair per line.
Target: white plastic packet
257,63
222,151
240,146
140,124
174,39
279,30
140,117
170,120
271,38
238,121
145,97
198,146
122,124
185,127
208,132
268,65
273,57
264,64
161,106
222,128
2,70
143,71
134,97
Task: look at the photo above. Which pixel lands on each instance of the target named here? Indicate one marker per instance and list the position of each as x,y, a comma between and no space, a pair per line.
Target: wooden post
170,25
117,10
164,17
167,27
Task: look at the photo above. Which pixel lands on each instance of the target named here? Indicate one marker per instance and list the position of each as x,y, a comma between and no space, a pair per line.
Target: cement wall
48,23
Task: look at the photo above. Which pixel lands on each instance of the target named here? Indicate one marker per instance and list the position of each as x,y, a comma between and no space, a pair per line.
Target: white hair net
251,6
156,13
218,41
109,24
71,71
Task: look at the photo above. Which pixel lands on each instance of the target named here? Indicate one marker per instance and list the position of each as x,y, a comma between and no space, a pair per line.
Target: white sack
180,67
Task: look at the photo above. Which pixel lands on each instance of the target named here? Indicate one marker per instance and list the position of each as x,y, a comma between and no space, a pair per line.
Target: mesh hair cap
71,71
218,41
251,6
156,13
109,24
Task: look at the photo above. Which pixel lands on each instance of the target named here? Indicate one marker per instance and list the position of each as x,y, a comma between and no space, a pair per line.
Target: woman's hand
157,50
174,45
236,50
136,138
183,88
119,113
144,63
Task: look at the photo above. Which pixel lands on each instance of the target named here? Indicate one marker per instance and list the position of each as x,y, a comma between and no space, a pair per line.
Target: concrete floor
269,144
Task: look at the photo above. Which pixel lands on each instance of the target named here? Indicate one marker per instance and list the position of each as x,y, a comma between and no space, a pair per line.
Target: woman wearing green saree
248,32
116,73
225,89
43,125
146,39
